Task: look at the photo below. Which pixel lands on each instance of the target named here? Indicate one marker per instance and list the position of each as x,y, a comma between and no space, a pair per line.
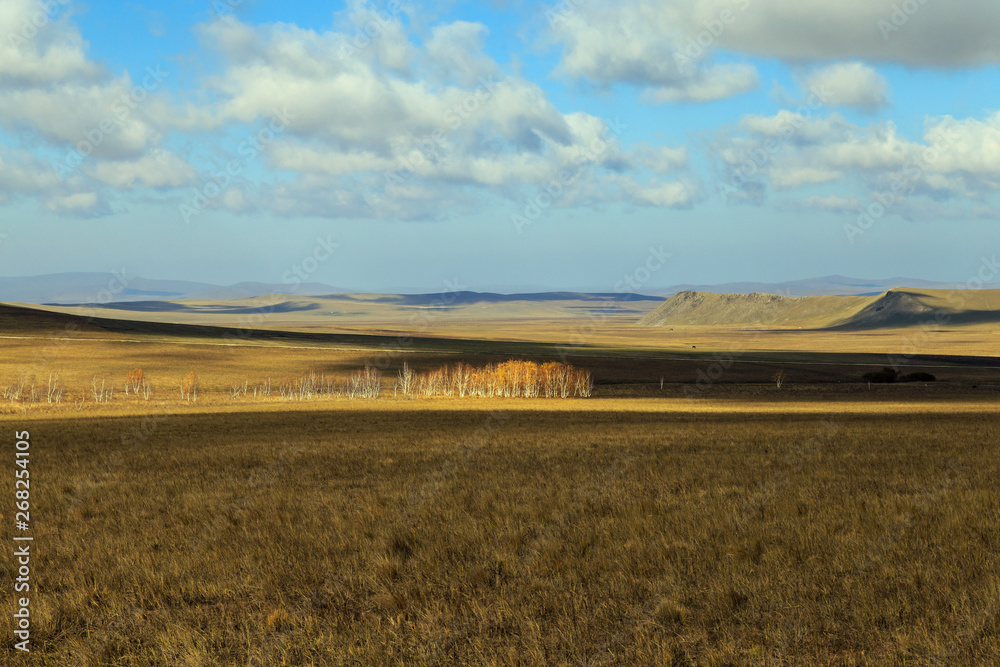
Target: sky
418,146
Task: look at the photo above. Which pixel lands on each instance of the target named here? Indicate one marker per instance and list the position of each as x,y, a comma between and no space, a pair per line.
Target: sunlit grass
425,533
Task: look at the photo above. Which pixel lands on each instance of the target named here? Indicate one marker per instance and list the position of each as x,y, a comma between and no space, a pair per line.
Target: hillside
894,308
706,308
823,286
336,310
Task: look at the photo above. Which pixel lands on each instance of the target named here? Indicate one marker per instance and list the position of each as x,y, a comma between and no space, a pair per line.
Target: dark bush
885,375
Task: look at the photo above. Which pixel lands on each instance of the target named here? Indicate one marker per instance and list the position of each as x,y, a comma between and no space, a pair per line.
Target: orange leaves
135,378
509,379
189,388
136,383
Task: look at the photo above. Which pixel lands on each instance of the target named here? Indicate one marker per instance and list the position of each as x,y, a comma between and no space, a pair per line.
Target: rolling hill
287,311
824,286
901,307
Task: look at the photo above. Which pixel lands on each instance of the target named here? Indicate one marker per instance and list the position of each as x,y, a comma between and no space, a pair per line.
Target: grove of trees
509,379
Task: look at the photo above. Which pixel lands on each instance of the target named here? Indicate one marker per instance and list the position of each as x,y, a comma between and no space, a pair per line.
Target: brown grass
515,536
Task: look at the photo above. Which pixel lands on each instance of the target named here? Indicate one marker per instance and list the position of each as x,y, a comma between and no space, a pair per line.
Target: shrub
885,375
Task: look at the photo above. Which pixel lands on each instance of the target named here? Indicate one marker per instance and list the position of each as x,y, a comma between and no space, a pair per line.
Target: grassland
496,535
723,523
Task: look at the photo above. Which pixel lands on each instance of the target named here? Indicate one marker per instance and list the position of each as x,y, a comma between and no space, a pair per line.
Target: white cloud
40,45
365,137
953,160
851,84
649,45
672,194
79,202
105,128
24,174
661,159
158,168
52,90
784,177
711,83
298,157
455,53
103,122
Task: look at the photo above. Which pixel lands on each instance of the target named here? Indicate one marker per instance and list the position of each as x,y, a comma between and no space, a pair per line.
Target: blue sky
502,146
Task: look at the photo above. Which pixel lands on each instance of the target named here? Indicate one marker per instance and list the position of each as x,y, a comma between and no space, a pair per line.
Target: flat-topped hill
901,307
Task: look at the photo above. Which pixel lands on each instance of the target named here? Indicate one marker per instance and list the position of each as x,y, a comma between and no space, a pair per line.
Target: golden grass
423,532
618,329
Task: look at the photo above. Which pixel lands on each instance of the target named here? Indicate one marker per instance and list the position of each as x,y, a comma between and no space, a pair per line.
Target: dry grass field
491,534
715,519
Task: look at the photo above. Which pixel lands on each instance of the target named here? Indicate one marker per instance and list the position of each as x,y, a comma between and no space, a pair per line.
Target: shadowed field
496,535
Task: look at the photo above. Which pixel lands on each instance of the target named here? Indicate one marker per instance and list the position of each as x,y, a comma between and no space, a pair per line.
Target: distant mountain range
82,288
69,288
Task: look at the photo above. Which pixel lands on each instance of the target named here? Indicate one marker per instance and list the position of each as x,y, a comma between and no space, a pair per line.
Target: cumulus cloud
455,53
22,173
376,116
158,168
850,84
952,160
650,45
49,74
784,177
711,83
666,46
80,202
40,45
363,136
103,129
